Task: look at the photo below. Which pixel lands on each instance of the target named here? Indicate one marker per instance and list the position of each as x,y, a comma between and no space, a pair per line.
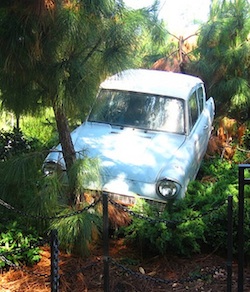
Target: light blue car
150,129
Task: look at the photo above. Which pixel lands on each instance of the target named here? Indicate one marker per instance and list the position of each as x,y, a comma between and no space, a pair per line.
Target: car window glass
139,110
200,94
193,110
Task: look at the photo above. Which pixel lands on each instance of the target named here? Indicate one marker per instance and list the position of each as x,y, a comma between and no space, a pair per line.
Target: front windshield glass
139,110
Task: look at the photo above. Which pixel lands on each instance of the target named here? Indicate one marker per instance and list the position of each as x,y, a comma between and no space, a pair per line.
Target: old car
150,130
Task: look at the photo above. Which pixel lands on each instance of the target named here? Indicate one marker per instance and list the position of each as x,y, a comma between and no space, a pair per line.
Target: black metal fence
108,262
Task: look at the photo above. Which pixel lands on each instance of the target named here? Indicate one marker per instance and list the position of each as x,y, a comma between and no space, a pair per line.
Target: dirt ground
203,272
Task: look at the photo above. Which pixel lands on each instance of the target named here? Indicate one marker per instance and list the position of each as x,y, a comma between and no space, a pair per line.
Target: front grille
123,199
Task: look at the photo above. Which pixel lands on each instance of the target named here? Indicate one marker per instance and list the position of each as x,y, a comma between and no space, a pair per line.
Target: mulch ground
170,273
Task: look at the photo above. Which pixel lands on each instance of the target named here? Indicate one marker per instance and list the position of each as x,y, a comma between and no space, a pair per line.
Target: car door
193,133
205,122
199,124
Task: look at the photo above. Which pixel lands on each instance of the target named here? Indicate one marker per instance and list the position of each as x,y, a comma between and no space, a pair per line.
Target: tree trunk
68,150
18,122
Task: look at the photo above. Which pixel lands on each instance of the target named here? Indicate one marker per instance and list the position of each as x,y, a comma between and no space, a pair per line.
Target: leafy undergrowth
87,275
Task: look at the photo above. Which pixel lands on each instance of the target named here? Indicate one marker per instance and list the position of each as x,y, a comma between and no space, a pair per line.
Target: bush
77,232
42,127
199,220
16,245
24,187
14,143
179,233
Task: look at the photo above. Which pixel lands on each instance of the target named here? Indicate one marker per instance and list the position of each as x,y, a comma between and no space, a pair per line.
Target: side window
200,94
193,110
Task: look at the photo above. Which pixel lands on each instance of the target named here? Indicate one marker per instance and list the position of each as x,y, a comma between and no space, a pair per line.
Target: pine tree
223,57
55,53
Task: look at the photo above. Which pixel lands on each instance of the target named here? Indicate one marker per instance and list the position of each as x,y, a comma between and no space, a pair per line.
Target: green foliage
223,57
41,126
44,202
17,246
77,232
61,60
20,174
28,191
173,235
147,235
14,143
20,179
84,172
198,221
246,138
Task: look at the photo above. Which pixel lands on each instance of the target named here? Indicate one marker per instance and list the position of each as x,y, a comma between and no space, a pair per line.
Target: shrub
14,143
199,220
176,234
17,246
42,127
77,232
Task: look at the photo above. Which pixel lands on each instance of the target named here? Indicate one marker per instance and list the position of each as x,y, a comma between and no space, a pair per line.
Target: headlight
51,167
167,189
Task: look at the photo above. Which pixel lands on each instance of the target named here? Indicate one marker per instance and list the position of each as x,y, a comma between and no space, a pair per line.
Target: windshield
139,110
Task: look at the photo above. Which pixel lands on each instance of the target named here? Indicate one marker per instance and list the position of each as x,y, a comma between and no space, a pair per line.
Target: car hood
132,154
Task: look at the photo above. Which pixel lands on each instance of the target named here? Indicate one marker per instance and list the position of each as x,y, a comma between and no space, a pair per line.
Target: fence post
229,243
54,274
105,241
242,182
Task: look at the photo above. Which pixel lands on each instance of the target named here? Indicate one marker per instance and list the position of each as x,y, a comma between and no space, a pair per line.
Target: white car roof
153,81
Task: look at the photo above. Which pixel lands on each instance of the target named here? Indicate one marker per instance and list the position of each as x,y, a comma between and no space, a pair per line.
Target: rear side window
200,94
193,110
